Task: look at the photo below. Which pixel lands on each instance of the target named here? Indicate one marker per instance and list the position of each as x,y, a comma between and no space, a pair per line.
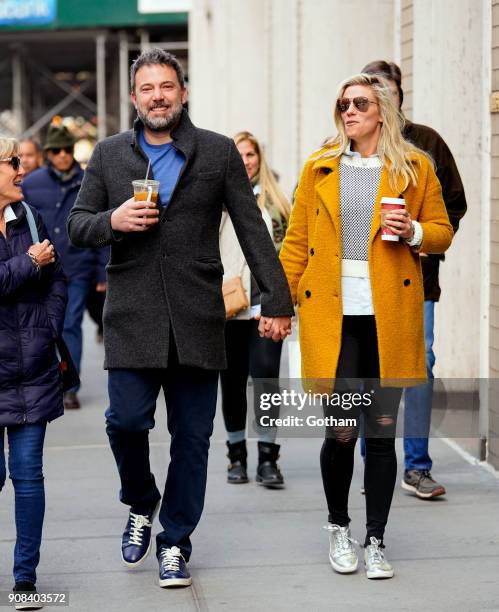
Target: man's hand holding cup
140,212
133,216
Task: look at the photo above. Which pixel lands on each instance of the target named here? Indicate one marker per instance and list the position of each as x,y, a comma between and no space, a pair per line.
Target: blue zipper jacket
32,306
53,198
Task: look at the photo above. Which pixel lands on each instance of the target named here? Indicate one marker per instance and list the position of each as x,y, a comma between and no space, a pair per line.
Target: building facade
272,67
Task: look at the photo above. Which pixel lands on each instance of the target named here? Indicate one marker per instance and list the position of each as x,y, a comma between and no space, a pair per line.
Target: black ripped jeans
358,371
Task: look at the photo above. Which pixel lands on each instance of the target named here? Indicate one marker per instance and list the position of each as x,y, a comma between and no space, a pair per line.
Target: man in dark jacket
164,315
52,190
418,400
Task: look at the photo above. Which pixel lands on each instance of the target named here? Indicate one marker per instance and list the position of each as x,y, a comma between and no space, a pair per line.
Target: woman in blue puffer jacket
32,304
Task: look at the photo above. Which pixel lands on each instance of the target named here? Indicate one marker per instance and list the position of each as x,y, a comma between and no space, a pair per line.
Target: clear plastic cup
145,190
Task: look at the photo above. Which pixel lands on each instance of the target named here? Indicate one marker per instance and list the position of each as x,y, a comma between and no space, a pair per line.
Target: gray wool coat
167,281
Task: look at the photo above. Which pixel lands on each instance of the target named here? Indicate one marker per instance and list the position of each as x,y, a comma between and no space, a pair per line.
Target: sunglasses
361,104
57,150
14,161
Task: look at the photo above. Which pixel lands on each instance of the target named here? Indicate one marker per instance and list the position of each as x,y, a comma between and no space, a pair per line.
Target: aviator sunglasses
360,102
14,161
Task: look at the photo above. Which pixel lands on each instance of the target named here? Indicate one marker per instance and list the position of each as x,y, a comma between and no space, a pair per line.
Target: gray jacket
167,281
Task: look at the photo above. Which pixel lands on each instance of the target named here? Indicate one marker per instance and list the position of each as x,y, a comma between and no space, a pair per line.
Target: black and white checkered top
359,182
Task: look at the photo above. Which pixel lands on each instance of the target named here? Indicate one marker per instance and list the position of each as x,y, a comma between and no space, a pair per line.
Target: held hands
276,328
42,253
399,221
134,216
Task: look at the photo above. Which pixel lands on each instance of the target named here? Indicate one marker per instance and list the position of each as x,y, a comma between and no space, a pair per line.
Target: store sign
164,6
27,12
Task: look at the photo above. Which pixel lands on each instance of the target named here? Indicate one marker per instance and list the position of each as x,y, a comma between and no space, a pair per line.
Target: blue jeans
78,291
191,398
26,473
418,403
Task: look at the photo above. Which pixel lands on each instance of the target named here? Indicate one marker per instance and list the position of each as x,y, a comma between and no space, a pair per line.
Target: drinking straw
149,189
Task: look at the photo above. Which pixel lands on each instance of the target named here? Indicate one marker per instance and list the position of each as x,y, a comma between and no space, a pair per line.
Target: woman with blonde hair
33,299
247,353
360,298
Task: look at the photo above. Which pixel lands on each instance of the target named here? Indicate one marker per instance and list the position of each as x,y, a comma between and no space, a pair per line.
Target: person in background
360,298
30,154
32,302
418,400
248,353
52,190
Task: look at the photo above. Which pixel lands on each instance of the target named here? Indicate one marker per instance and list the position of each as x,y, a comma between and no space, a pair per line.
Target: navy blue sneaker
136,541
173,570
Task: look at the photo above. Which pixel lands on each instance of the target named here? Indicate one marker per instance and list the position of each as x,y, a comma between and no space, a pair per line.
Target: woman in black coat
32,304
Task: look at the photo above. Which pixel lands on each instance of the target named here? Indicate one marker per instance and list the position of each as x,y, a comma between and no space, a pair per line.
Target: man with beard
164,315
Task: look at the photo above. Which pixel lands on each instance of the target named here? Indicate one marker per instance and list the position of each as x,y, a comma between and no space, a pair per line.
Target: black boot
267,472
236,472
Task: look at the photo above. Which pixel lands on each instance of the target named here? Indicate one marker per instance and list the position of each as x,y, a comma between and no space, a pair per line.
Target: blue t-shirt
166,163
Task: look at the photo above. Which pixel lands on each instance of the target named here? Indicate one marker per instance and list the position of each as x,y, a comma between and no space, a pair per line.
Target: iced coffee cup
387,205
145,190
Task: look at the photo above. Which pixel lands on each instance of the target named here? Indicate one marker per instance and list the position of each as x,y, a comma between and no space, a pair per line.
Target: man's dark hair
159,57
35,143
390,71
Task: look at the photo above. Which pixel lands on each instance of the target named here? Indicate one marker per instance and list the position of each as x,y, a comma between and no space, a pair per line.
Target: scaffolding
80,72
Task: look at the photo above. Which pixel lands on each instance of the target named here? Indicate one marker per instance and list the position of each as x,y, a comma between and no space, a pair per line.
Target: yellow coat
311,257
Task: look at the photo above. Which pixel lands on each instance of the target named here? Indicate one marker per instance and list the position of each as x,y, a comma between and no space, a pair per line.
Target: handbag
67,368
235,298
233,291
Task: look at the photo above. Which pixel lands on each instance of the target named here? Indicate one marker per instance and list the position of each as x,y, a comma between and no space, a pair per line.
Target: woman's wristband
34,260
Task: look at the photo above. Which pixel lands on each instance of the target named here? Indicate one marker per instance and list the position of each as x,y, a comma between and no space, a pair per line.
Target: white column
449,96
18,90
485,221
227,64
124,83
100,53
144,40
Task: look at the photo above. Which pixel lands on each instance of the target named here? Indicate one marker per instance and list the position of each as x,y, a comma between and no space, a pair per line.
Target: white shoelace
375,553
139,521
342,541
170,558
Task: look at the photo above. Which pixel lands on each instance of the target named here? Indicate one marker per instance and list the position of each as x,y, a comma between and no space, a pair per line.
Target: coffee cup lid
399,201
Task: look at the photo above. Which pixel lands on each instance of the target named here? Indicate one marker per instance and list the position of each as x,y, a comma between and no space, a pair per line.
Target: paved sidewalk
255,549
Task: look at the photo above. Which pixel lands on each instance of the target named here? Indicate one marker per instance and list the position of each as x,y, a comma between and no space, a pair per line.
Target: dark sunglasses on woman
14,161
360,102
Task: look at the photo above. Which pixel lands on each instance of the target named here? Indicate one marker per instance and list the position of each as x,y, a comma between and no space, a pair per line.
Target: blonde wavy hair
269,188
8,147
394,151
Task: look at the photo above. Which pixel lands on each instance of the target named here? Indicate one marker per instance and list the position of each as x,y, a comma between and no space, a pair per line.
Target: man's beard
160,124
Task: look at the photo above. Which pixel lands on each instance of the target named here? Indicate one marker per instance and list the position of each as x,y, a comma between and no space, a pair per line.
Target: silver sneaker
376,564
342,554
